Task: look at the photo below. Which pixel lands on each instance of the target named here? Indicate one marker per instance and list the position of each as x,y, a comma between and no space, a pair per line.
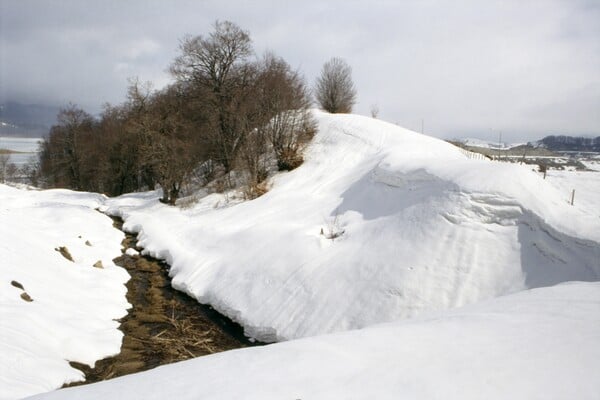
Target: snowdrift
420,227
52,309
537,344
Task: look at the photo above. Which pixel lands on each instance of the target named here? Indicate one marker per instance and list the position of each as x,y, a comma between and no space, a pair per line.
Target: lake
27,147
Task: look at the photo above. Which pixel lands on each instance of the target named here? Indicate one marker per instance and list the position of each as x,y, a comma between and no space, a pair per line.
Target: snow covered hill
537,344
379,224
52,309
420,227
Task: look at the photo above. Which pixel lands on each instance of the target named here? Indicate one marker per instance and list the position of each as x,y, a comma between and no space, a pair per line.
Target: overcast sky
467,68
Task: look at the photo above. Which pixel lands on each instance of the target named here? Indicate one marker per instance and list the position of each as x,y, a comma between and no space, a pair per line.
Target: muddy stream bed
163,325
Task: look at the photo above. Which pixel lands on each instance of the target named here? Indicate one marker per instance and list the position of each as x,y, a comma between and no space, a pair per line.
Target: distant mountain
569,143
26,120
474,142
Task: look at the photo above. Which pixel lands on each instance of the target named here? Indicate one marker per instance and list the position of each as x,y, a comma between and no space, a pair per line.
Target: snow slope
424,228
586,185
72,315
537,344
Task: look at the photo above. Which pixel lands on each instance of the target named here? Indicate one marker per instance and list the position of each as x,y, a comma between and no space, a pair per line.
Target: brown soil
164,325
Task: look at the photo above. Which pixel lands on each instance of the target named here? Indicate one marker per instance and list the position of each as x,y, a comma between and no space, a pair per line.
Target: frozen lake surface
27,148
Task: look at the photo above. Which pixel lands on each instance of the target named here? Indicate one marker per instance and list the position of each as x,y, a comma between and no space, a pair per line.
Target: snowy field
421,231
74,305
538,344
586,185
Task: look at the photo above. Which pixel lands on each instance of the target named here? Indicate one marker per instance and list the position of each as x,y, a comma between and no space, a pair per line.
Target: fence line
472,155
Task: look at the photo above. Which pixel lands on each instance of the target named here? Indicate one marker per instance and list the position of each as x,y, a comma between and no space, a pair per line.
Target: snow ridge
424,228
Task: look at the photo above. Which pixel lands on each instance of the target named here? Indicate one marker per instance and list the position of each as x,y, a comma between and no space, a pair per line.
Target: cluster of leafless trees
7,169
225,110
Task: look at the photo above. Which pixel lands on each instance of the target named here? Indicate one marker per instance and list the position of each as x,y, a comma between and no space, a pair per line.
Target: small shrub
187,202
220,185
333,229
255,190
289,159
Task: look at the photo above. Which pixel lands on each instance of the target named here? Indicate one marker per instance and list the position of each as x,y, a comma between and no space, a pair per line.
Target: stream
163,325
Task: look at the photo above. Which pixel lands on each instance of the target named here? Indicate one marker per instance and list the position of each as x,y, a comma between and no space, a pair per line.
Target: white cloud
135,49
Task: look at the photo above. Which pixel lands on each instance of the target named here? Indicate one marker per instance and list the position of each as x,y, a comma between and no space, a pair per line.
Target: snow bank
420,226
72,315
537,344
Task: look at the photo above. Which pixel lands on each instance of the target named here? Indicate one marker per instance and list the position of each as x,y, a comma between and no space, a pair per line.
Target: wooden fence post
572,196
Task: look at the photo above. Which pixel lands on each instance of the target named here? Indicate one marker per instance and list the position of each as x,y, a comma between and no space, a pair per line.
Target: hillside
420,227
569,143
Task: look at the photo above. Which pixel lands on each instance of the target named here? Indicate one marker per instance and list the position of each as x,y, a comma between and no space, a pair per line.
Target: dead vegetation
64,252
333,229
24,295
18,285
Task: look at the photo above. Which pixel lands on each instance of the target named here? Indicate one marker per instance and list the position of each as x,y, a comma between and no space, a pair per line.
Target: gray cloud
465,67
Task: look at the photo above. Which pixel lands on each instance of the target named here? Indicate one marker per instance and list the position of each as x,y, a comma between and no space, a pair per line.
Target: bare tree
164,137
63,151
335,91
224,111
4,163
216,69
374,110
281,123
120,168
284,100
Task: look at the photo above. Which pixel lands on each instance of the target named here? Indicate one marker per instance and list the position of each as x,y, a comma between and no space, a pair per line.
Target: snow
586,185
132,252
473,142
424,228
379,225
537,344
75,306
592,164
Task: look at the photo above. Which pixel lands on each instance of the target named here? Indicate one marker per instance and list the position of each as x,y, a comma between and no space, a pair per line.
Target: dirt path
163,325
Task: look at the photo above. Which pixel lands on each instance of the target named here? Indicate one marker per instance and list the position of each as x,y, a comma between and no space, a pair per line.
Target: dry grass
183,340
65,252
254,191
26,297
